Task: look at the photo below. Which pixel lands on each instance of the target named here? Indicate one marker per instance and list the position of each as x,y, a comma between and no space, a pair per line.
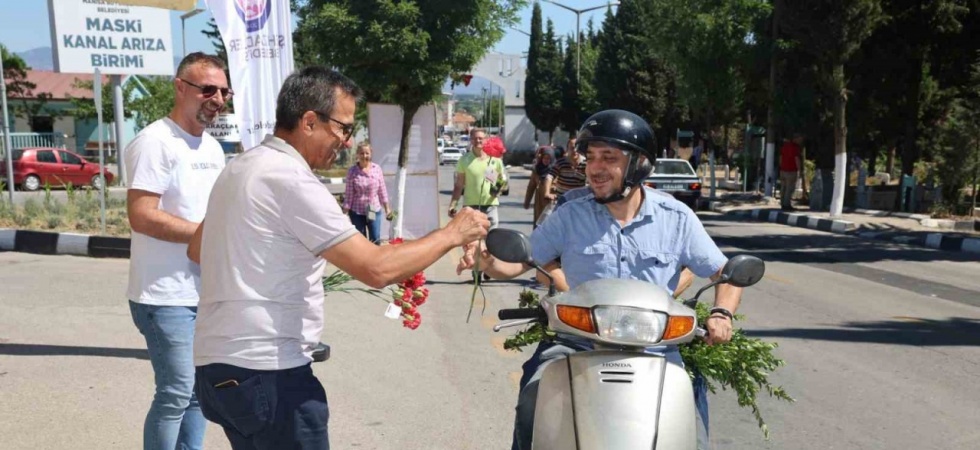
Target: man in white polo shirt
271,228
174,164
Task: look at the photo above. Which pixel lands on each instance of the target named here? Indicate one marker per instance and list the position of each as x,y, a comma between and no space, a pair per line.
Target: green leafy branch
743,364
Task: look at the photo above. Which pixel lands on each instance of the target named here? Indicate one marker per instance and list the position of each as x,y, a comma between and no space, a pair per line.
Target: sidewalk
912,229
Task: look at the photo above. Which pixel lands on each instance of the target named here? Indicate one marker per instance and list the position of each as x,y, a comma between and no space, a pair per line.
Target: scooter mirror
743,270
509,245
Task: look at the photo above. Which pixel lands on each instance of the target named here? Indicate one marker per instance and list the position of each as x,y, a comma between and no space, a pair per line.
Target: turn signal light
695,186
576,317
678,326
651,185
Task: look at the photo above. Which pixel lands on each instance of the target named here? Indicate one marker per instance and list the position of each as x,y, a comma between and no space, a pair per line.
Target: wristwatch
723,311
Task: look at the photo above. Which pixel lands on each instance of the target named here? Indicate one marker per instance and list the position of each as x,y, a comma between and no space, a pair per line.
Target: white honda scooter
616,396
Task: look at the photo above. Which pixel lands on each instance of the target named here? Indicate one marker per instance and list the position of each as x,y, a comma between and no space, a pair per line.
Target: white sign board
225,128
421,213
118,39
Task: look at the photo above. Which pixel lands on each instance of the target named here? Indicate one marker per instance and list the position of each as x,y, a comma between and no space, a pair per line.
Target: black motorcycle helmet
628,132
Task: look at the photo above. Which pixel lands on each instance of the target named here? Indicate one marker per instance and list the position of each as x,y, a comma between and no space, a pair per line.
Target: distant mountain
40,58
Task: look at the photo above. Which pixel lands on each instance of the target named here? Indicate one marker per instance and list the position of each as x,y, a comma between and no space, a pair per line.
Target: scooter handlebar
519,313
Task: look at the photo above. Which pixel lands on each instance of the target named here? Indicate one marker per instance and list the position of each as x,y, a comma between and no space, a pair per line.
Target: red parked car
41,166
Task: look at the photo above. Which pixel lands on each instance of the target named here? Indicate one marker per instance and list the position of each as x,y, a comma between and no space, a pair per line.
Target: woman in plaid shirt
366,194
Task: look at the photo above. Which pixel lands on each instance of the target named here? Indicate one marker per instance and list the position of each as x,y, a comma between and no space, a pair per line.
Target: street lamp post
578,24
183,18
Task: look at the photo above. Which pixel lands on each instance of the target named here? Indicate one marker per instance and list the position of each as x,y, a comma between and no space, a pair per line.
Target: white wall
518,129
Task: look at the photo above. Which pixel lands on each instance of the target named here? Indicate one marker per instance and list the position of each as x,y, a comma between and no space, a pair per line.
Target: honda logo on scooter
618,365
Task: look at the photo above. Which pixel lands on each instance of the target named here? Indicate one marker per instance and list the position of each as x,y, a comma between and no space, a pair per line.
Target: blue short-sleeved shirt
663,236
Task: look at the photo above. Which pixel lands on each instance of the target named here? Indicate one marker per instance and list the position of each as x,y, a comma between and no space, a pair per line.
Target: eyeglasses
346,128
209,90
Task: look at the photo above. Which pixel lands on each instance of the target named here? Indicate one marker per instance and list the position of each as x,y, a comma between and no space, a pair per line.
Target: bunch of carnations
410,295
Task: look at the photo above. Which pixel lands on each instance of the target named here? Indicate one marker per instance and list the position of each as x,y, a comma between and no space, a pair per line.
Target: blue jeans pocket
244,407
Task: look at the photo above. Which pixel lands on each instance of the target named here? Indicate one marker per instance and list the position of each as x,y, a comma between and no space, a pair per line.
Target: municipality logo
255,13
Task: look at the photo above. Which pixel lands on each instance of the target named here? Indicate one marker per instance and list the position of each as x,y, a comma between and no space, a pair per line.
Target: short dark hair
314,89
199,58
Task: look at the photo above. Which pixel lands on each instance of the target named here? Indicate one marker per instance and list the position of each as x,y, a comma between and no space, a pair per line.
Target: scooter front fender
604,400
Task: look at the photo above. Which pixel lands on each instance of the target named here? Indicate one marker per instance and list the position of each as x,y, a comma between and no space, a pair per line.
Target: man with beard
173,163
620,230
272,227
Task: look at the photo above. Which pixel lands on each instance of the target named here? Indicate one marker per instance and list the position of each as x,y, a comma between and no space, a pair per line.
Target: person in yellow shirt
479,179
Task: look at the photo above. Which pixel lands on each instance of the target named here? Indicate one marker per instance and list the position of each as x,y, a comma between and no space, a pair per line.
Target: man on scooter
621,230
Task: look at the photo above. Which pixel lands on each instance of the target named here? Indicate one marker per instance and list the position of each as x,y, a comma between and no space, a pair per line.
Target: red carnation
413,323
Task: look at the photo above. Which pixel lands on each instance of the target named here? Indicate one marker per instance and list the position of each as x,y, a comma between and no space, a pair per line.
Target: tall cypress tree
544,71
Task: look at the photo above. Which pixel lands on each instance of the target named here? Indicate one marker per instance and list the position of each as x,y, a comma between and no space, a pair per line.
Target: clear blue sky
26,26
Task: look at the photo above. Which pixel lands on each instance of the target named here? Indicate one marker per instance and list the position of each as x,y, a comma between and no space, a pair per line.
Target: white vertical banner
259,39
419,202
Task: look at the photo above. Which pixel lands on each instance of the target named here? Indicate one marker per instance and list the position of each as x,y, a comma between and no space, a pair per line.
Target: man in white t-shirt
271,228
173,164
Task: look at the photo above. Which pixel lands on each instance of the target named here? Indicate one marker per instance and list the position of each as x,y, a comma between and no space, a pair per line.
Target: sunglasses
346,128
209,90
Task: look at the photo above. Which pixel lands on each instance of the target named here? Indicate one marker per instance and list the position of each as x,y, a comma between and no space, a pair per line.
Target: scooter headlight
625,324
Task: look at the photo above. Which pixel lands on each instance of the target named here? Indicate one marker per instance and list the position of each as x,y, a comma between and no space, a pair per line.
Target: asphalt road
880,343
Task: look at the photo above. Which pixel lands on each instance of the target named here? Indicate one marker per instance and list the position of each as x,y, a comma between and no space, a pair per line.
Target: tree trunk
910,147
872,160
840,143
890,160
408,113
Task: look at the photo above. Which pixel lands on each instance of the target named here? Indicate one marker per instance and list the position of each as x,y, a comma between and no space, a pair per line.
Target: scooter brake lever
700,332
513,323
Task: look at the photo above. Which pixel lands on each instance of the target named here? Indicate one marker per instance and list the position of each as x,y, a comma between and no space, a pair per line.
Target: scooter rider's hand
468,261
719,328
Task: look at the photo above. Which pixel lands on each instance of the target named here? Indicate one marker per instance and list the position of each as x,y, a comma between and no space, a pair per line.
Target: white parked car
450,155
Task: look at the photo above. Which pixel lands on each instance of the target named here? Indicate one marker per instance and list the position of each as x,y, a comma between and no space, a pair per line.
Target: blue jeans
174,420
265,409
552,350
370,230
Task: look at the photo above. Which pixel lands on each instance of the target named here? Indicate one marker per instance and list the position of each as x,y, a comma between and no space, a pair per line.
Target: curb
50,243
938,241
923,219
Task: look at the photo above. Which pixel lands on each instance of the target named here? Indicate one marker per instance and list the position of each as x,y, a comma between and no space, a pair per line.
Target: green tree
84,108
543,87
633,73
712,59
156,104
578,91
832,31
15,74
401,51
213,33
26,103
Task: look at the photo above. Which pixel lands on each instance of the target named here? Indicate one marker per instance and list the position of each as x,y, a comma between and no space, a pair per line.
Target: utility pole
578,26
7,145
